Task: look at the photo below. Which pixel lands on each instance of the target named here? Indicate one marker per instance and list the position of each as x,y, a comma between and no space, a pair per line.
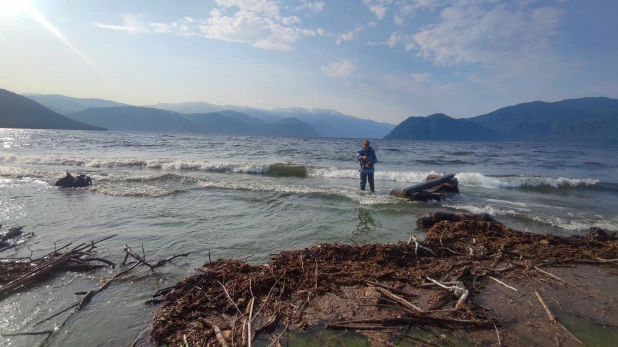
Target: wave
466,179
352,194
136,191
582,224
472,179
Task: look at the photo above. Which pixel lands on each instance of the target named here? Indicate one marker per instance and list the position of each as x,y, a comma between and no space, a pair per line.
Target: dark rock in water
74,182
601,235
12,233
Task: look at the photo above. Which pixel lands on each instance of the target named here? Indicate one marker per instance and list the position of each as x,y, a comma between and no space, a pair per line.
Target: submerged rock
74,182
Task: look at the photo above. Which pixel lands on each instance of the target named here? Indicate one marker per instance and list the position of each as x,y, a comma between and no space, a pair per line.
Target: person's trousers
363,181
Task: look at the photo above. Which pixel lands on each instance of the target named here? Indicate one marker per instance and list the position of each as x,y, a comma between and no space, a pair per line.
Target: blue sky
377,59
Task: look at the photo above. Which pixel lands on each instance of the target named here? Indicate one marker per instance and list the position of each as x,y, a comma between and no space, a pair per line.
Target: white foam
470,179
268,186
397,176
478,179
484,209
140,191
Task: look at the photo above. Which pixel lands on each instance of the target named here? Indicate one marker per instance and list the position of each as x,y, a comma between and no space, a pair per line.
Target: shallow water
250,197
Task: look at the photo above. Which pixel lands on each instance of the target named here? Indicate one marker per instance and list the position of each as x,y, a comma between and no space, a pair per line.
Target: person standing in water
367,158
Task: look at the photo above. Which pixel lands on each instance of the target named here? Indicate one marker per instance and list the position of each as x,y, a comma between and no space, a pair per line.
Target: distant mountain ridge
146,119
65,104
17,111
328,123
440,127
572,121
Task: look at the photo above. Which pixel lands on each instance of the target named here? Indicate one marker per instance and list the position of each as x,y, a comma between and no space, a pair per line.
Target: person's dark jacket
371,156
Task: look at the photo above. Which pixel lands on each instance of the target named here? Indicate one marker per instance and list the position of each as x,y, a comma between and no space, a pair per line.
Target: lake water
249,197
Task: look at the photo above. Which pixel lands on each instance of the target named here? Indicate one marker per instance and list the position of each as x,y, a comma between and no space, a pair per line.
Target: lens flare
24,6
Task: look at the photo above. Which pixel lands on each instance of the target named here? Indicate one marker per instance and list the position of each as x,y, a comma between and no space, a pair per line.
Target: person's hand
364,157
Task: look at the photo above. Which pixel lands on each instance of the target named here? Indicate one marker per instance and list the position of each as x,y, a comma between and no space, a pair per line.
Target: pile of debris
231,302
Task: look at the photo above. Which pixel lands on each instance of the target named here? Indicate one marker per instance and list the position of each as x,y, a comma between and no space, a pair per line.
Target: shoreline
379,287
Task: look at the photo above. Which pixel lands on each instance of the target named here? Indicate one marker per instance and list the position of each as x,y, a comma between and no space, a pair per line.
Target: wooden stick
163,261
230,298
250,337
611,261
462,299
549,314
14,243
550,275
502,283
45,332
57,314
440,284
399,299
497,333
219,335
128,250
394,290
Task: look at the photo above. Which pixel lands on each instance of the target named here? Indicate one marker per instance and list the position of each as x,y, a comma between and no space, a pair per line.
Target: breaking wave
466,179
354,195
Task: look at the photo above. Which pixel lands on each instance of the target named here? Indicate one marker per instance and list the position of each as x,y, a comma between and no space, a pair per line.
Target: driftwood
72,259
430,219
428,190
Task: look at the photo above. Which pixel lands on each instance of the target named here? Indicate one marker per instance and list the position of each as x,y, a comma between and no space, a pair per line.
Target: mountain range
17,111
147,119
573,121
592,121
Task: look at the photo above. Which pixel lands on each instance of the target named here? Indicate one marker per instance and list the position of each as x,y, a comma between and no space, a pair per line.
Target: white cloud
255,22
397,38
339,69
131,25
372,24
497,37
420,78
290,20
398,19
378,7
349,36
313,6
268,8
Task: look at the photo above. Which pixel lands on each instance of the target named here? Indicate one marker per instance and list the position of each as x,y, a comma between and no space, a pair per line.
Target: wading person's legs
371,186
363,181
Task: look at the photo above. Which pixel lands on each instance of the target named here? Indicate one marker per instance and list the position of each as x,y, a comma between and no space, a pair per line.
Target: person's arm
374,158
359,157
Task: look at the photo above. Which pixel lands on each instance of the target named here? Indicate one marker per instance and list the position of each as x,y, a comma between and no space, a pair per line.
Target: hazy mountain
330,123
289,126
216,123
65,104
440,127
576,121
146,119
236,123
17,111
573,121
204,107
134,118
188,107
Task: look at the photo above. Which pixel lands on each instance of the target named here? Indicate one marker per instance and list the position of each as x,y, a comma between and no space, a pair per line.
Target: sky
384,60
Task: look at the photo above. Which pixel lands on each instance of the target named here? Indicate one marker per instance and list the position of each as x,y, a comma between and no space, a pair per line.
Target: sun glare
11,8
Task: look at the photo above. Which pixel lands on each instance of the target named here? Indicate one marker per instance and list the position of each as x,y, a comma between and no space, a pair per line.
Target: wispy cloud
349,36
497,37
316,6
258,23
130,24
339,69
378,7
